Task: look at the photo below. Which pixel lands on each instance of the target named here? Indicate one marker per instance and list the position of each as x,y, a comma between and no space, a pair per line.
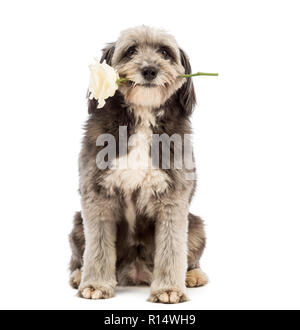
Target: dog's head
152,60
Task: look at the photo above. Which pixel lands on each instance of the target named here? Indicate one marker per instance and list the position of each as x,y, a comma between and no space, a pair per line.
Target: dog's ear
107,53
186,93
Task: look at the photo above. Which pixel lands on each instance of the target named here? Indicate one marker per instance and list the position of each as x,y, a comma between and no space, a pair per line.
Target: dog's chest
135,170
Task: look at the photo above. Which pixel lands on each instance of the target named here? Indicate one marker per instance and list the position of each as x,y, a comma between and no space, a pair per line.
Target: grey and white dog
135,226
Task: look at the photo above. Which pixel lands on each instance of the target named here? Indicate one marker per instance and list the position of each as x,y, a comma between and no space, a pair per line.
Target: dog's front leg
170,262
99,259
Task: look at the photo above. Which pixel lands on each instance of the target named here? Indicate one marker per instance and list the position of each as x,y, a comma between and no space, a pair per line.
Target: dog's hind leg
196,244
77,243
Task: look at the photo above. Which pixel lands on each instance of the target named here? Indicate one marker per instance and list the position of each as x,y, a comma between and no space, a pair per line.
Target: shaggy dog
135,226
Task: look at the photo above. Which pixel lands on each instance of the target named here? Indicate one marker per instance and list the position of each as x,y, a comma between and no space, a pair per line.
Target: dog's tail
77,243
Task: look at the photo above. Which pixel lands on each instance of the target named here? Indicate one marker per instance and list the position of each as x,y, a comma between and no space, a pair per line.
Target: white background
246,140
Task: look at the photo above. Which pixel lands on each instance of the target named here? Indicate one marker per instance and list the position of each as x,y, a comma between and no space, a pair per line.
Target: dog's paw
75,279
195,277
168,296
96,292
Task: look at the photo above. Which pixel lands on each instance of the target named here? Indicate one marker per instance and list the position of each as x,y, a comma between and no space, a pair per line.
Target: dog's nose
149,73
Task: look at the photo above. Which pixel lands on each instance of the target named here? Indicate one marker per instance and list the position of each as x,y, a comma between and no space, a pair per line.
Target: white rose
103,82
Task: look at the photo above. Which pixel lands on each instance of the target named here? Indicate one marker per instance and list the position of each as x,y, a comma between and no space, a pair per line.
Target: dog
135,227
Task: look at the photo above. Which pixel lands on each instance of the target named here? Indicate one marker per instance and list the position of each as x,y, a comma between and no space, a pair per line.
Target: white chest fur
135,170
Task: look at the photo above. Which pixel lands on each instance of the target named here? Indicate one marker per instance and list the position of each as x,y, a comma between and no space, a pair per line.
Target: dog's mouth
148,85
132,84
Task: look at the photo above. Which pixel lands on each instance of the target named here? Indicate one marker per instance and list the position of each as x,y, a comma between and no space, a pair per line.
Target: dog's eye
130,51
165,52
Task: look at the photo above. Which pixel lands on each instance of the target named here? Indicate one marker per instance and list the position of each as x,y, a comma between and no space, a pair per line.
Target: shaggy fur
135,226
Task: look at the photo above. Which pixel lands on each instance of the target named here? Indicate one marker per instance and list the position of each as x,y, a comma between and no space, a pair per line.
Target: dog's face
152,60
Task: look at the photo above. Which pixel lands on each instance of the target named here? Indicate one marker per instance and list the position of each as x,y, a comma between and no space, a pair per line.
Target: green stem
197,74
121,80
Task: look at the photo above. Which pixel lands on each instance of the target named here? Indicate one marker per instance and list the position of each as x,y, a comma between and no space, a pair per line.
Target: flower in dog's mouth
105,80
